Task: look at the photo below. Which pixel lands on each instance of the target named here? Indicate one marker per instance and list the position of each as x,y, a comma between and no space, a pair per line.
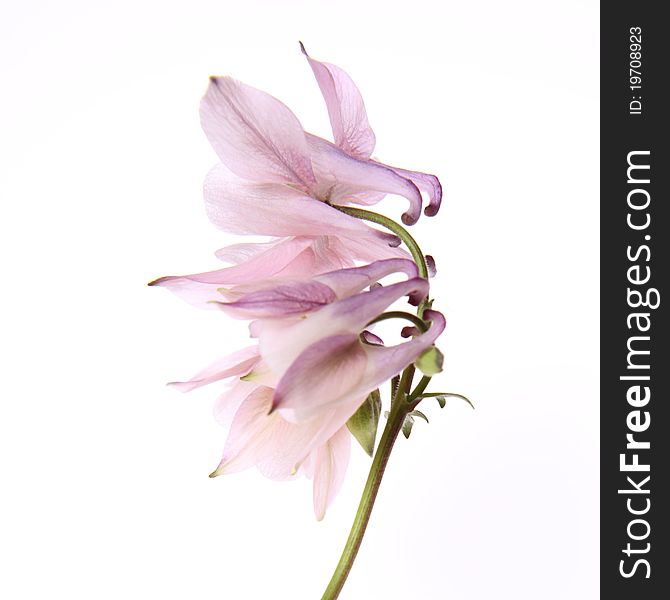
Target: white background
104,470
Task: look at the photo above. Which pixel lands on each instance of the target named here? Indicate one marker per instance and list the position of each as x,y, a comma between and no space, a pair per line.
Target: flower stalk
399,230
399,410
402,403
288,409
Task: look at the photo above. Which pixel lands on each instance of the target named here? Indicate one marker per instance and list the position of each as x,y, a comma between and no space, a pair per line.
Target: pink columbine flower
314,366
313,291
268,158
277,180
257,265
281,450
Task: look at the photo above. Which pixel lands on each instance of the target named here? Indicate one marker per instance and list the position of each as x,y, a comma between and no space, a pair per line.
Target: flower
313,367
272,172
352,132
307,296
259,264
269,158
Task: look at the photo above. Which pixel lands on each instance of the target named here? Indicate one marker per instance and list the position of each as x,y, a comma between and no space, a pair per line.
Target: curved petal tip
435,198
430,263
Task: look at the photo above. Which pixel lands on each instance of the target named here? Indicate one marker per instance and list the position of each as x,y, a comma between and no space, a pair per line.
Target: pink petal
345,282
281,300
290,444
428,184
236,254
341,177
229,402
202,289
248,431
355,312
254,134
311,384
272,261
330,463
239,206
269,442
234,365
301,297
326,370
346,109
370,249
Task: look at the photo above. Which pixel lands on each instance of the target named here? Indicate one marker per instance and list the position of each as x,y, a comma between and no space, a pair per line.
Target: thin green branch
399,314
402,402
399,230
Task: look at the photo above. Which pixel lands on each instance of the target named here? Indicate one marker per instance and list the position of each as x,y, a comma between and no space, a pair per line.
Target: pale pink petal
284,260
234,365
236,254
248,432
226,404
428,184
313,366
239,206
295,298
370,249
285,299
341,177
346,109
326,370
189,289
269,442
355,312
254,134
272,261
330,466
369,198
345,282
344,251
288,445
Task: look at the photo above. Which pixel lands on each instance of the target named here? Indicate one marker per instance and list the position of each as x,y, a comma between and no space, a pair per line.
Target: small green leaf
407,426
441,398
430,362
418,413
364,422
461,396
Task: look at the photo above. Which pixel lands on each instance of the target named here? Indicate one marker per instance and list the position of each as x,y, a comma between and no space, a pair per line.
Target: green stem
394,424
399,314
401,404
391,225
419,389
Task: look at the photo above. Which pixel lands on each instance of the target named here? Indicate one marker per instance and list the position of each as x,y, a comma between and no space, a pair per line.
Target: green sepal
418,413
408,423
441,398
430,362
364,422
407,426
